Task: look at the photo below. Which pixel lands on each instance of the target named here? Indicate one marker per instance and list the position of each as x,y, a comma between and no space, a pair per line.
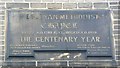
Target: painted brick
1,37
118,52
38,5
1,58
115,22
2,7
2,3
113,0
114,7
61,0
33,0
116,17
18,0
76,1
116,12
114,3
17,5
100,5
5,0
47,0
1,49
1,28
2,23
1,33
1,53
85,5
2,17
116,36
1,42
94,0
2,12
118,57
54,5
69,5
117,42
116,31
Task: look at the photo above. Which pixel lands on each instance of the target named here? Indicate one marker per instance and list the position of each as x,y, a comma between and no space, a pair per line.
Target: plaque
84,33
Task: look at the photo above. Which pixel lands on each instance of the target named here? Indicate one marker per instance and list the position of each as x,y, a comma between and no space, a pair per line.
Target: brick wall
65,5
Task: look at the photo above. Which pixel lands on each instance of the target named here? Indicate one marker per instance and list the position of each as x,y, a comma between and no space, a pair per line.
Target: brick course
17,5
54,5
38,5
69,5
